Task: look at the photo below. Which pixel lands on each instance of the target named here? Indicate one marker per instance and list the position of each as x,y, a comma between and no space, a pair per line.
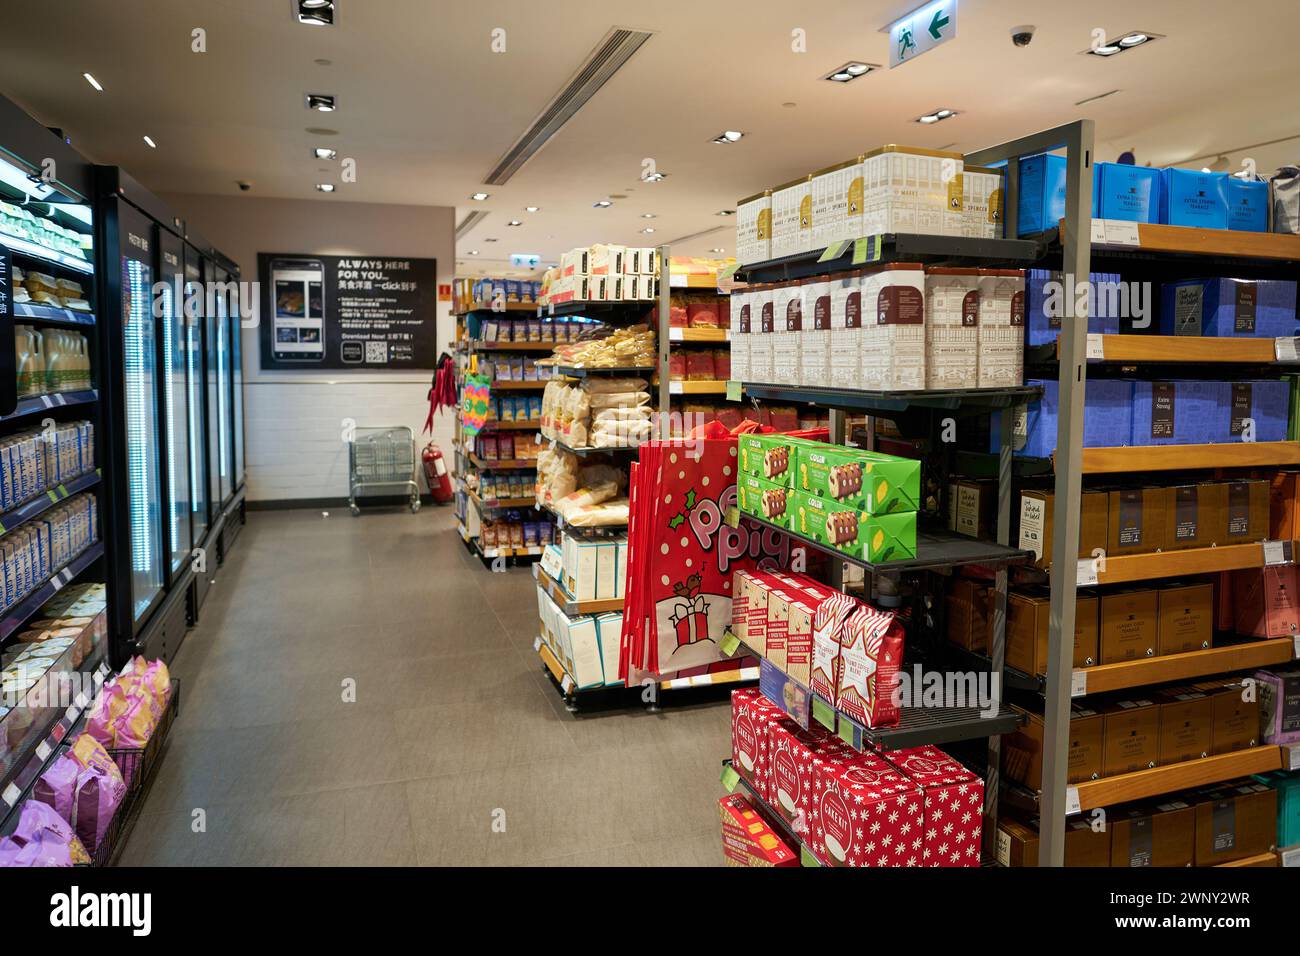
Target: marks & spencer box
763,499
1248,205
1152,834
1189,197
1001,344
952,804
763,325
831,349
754,228
1236,719
1173,413
910,189
864,480
1027,626
1186,618
1137,520
1222,307
872,538
747,840
982,195
787,332
770,456
1287,785
1234,821
1042,193
792,218
1129,625
1246,512
847,788
1194,515
1256,410
1022,750
1127,192
1017,842
1264,601
1107,417
1186,725
1279,704
1038,516
1048,302
891,342
952,320
1130,736
751,716
974,508
740,320
968,608
837,203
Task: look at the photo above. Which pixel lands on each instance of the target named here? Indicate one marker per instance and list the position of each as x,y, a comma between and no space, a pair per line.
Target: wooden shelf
1172,667
568,604
503,385
1167,564
1261,859
1181,348
1188,240
709,336
1109,791
500,502
1140,458
555,667
697,388
501,464
519,346
492,425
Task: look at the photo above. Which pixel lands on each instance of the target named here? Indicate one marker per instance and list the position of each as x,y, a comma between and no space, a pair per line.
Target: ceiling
426,107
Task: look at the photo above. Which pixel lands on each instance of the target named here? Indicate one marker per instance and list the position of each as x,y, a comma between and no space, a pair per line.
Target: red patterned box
865,813
954,805
747,840
752,715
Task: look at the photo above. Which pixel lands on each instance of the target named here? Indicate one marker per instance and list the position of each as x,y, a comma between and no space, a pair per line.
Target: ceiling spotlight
514,222
719,249
648,229
1126,41
728,136
602,204
936,115
324,102
316,13
473,252
1133,39
726,212
647,215
928,118
325,187
1107,50
850,71
320,152
148,141
93,82
653,177
532,208
479,197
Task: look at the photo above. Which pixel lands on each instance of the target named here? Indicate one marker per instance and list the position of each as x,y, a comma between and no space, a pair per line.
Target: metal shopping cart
382,458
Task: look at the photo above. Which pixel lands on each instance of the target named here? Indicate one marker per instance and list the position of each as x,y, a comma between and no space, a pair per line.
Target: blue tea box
1247,205
1130,193
1192,198
1174,413
1260,308
1265,402
1042,193
1107,418
1044,305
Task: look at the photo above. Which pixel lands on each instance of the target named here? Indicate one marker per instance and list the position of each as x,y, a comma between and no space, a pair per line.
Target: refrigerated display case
174,325
237,401
198,444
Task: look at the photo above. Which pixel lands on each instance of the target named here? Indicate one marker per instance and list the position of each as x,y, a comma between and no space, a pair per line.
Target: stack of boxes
602,273
586,644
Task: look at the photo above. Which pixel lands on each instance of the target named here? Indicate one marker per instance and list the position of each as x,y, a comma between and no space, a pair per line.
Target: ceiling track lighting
479,197
1123,43
850,71
532,209
728,136
322,102
314,13
320,152
514,222
601,204
936,116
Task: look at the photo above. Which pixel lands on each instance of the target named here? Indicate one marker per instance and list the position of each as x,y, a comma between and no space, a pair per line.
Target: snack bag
39,823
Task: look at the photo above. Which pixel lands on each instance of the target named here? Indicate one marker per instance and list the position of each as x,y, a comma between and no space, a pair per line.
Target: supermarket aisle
453,725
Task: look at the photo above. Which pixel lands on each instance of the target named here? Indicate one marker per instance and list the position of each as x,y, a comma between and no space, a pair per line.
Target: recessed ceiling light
653,177
1125,42
93,82
936,115
726,212
1106,50
322,102
928,118
850,71
532,209
647,215
719,249
728,136
514,222
316,13
479,197
473,252
325,187
148,141
320,152
648,229
1133,39
602,204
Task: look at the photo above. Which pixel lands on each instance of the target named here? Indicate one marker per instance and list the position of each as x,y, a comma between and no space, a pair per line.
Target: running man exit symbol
922,30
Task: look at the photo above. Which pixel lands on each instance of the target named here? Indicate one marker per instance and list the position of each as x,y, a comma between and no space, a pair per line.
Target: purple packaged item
39,823
91,796
1279,705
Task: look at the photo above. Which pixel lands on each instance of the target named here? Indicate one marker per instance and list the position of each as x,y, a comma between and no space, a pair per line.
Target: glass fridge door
175,406
218,396
140,359
193,345
237,385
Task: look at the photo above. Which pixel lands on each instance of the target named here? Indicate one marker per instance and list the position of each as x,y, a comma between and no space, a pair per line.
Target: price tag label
1096,346
42,751
866,249
11,794
567,684
806,858
1078,683
1072,801
729,643
81,702
834,251
823,713
1275,552
537,645
730,778
1087,576
1121,233
1099,230
732,517
1287,349
733,391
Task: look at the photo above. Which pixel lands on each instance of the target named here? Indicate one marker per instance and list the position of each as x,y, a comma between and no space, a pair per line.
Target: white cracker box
837,203
981,198
762,318
740,321
788,319
1002,328
892,343
952,317
843,343
792,218
908,189
815,339
609,629
754,228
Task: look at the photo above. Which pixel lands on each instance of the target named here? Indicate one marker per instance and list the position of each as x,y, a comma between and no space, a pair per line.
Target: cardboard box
1038,516
1001,340
872,538
1047,301
953,805
1279,705
814,340
751,715
968,609
1185,618
832,349
1186,725
754,228
1107,417
1235,821
890,342
763,499
1128,192
863,480
777,628
1129,625
952,321
911,189
1249,308
845,788
609,629
1194,515
837,203
1022,750
787,332
1192,198
761,332
1137,520
1282,504
1236,720
791,752
1130,736
1173,412
1246,512
740,319
982,196
792,218
1042,193
975,509
747,840
1152,834
1028,615
1287,786
1248,205
771,457
1017,842
1265,601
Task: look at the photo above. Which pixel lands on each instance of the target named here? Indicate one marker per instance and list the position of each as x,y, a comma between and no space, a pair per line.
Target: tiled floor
453,732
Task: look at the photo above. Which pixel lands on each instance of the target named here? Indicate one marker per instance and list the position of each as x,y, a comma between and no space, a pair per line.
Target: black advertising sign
347,312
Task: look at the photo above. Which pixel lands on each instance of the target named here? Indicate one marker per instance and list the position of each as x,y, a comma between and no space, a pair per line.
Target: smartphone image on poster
298,309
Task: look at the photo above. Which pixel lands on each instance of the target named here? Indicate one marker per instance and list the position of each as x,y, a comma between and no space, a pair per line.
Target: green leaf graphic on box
690,499
676,521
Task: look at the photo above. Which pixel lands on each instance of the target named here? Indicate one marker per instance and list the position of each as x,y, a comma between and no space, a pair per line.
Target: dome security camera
1022,35
244,185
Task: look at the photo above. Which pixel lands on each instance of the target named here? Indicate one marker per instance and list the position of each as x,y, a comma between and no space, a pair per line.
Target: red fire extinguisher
435,472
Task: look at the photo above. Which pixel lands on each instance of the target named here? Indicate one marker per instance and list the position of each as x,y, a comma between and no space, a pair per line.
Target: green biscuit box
764,499
770,457
873,538
863,480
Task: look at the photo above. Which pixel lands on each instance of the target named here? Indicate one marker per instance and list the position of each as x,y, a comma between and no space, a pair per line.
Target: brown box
1284,507
975,509
1245,512
1186,725
1185,618
1136,521
1037,513
1234,821
969,608
1028,613
1022,751
1129,625
1017,843
1130,736
1194,514
1151,834
1236,720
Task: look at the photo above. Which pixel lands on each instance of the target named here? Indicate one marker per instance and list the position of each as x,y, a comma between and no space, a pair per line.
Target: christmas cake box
791,750
770,457
864,813
790,611
764,499
952,807
747,840
873,538
871,652
863,480
751,715
828,625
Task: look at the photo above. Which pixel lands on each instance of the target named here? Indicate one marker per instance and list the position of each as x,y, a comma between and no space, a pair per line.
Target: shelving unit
1175,667
1123,568
1138,458
1170,778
